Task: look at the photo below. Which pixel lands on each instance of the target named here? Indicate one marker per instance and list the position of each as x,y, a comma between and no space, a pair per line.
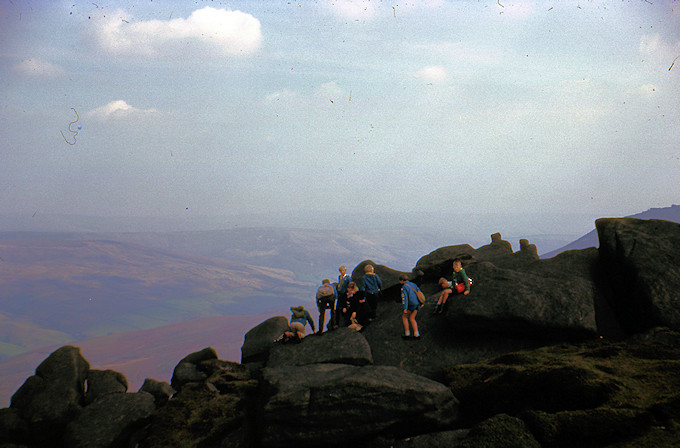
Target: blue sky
364,107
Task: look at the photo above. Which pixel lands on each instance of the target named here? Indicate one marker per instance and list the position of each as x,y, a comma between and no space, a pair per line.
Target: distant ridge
671,213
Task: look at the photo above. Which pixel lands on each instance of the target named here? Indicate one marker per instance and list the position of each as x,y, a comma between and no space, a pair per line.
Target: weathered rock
340,346
110,420
49,399
259,340
188,371
326,404
442,439
104,382
500,431
640,263
443,256
586,427
208,413
160,390
574,395
13,429
545,298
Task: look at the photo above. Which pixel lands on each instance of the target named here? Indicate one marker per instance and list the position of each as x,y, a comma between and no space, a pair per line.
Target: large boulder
160,390
545,298
258,341
104,382
53,396
340,346
337,405
640,262
189,370
110,420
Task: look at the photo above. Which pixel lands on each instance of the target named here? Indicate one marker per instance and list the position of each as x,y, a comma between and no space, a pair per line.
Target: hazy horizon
499,116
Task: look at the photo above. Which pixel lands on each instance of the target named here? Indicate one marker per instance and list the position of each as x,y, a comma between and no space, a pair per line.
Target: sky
370,108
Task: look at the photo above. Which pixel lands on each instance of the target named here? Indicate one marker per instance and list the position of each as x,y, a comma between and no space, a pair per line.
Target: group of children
356,304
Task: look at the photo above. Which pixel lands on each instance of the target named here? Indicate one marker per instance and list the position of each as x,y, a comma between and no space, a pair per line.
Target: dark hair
403,277
457,260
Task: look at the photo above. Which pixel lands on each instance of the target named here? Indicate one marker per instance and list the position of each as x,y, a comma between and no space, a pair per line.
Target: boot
437,306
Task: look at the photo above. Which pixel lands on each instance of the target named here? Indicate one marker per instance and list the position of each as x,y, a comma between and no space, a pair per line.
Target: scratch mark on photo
75,133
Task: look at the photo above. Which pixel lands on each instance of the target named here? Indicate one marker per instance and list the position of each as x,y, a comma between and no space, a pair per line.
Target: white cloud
432,73
38,67
116,109
354,9
233,32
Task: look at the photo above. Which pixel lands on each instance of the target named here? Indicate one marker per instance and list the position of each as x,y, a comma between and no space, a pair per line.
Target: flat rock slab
311,405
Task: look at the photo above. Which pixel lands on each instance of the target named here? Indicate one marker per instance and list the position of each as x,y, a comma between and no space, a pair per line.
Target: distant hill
142,354
671,213
57,289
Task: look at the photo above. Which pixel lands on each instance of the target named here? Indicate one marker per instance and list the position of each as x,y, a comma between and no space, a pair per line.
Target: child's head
457,265
368,269
443,283
326,282
343,270
352,287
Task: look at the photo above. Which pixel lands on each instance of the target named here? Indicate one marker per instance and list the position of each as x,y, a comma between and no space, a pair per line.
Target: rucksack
324,291
419,294
298,312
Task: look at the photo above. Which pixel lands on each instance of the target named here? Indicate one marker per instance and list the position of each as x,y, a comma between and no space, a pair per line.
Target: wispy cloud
116,109
38,67
432,73
232,32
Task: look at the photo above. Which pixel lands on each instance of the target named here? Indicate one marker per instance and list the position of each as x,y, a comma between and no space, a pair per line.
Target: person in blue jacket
371,286
411,305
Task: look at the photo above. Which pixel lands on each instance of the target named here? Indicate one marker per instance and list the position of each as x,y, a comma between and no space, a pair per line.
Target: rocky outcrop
67,404
206,412
52,397
487,373
340,405
594,394
640,263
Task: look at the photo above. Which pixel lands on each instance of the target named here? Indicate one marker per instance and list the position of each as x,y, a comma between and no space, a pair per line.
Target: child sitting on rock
460,284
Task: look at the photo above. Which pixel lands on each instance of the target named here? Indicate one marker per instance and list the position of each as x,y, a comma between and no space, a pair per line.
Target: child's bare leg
414,324
404,321
444,296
